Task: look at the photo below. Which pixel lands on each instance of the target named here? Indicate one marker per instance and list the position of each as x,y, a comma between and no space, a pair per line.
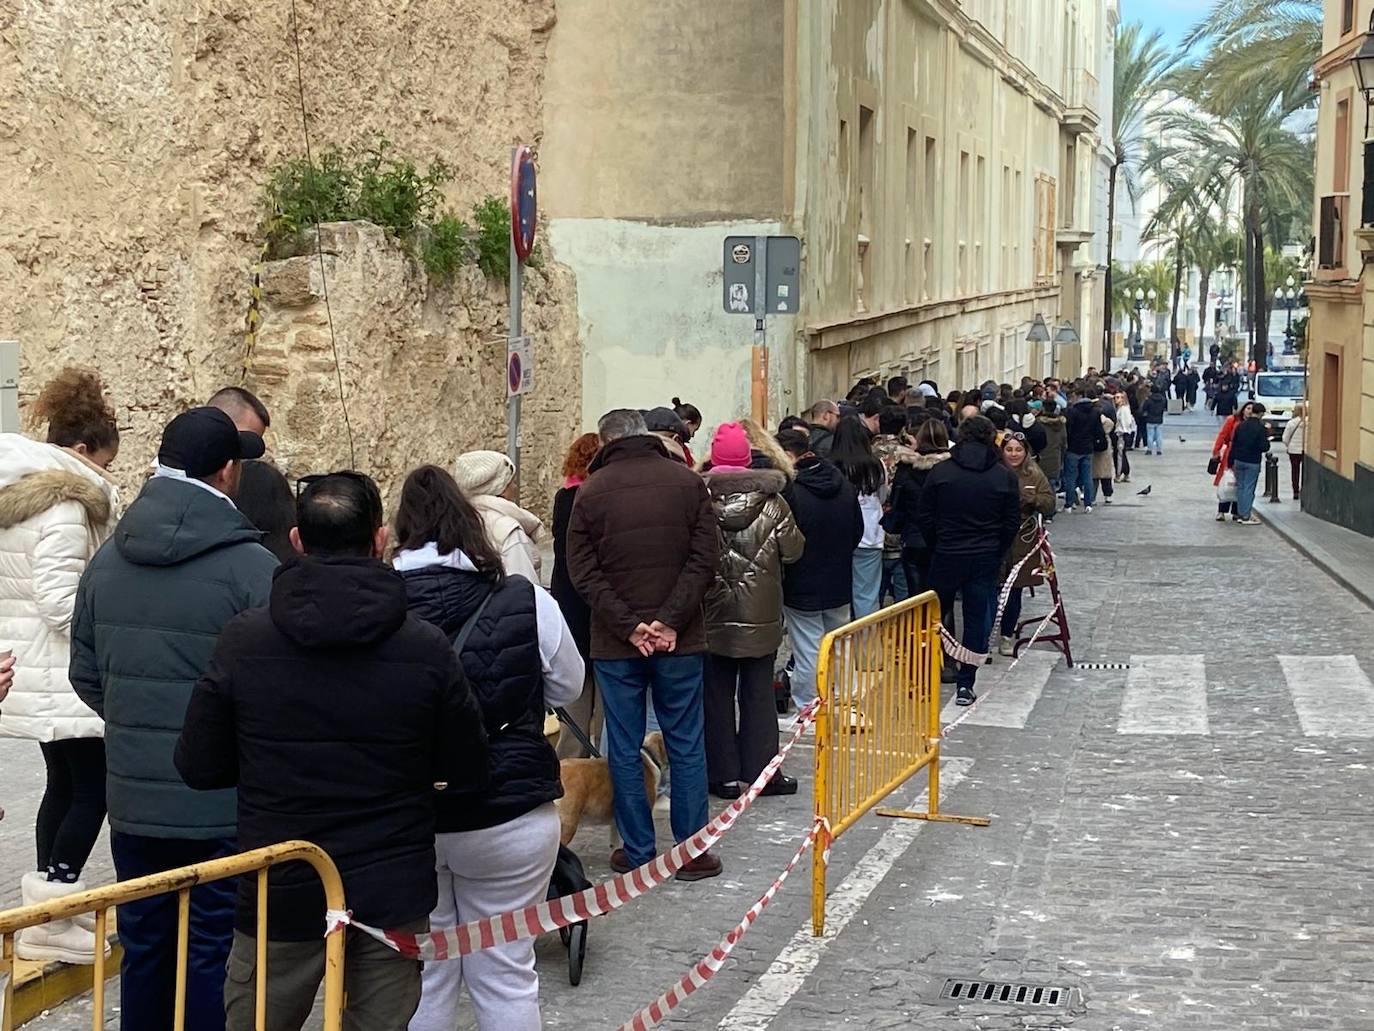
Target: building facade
1339,466
940,161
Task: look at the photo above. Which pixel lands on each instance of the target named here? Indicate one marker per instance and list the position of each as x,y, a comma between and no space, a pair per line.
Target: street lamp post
1138,350
1288,298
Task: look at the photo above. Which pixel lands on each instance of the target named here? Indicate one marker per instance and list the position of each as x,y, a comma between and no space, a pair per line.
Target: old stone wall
134,139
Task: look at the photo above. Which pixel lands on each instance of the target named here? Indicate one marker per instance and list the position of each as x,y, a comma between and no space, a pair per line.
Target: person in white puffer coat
57,506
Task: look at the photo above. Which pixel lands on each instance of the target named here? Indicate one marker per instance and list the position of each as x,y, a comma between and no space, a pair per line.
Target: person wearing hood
816,589
487,480
1051,459
57,506
643,548
496,847
969,510
744,615
335,713
913,468
181,563
1152,411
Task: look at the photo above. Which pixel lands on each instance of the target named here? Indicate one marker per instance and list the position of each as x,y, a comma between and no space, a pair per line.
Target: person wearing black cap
180,564
668,425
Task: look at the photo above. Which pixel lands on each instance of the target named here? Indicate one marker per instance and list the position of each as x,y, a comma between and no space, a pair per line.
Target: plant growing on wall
375,185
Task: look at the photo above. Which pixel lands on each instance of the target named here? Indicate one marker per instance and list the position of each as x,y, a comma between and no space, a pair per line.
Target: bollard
1271,478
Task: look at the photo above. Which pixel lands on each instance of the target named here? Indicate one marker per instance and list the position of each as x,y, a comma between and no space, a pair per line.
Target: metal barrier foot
911,814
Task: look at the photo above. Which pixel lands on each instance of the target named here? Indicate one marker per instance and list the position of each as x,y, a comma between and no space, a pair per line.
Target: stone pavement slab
1344,555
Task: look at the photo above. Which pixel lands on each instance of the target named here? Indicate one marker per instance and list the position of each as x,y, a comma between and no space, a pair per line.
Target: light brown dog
587,791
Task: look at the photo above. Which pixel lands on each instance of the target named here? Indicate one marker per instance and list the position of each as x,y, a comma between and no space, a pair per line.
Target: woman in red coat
1221,451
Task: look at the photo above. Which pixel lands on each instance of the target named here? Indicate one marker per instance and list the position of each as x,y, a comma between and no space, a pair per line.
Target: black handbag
1213,464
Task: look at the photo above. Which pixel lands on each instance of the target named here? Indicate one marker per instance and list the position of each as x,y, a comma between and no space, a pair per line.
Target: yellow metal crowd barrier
181,881
880,724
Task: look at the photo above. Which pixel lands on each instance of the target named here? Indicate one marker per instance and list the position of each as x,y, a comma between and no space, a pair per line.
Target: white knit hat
483,472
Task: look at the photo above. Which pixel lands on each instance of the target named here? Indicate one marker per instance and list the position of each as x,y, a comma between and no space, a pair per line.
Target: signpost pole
759,365
9,386
517,271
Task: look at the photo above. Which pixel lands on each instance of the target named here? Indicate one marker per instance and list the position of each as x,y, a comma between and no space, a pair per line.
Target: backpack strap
465,631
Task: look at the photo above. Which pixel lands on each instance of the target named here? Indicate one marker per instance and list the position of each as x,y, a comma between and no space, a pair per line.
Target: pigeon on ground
1181,440
1146,491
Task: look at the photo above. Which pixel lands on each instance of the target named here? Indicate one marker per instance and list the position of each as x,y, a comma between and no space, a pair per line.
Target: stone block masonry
134,141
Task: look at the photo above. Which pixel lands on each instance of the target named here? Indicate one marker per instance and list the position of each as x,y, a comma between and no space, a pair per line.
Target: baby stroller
568,875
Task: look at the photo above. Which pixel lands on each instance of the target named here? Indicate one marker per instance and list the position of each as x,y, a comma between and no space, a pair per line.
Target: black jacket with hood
825,506
971,505
1154,407
336,713
180,565
1083,432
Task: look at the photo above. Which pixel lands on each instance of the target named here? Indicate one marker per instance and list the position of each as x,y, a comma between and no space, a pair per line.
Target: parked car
1279,391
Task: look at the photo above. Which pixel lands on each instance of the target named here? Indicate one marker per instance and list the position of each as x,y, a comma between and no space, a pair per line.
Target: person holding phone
1037,500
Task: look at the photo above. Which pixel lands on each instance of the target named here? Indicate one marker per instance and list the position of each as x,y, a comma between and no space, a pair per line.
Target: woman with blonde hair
1295,443
57,506
763,442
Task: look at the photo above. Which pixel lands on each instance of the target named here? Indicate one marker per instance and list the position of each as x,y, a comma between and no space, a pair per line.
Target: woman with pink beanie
744,613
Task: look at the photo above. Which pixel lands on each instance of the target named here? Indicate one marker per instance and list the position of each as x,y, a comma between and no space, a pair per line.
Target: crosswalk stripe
1008,700
1165,694
1331,694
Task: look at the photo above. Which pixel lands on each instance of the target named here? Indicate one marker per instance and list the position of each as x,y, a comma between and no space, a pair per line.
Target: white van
1279,392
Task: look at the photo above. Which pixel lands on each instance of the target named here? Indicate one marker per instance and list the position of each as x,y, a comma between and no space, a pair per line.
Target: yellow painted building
940,161
1339,467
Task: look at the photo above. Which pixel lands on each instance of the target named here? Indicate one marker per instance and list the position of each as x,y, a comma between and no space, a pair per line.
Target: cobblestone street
1183,845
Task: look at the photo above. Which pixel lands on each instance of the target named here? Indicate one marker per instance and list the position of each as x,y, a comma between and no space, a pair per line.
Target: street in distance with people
496,535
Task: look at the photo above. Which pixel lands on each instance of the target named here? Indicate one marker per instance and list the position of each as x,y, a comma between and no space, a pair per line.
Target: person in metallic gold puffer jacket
744,613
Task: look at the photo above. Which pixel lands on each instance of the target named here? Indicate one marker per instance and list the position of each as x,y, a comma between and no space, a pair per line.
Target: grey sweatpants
483,873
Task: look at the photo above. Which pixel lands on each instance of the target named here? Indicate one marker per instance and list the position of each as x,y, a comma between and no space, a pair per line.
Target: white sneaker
1088,510
1221,517
1006,646
65,941
1106,501
1252,520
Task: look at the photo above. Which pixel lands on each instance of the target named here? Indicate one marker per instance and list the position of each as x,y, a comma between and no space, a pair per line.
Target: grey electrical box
9,386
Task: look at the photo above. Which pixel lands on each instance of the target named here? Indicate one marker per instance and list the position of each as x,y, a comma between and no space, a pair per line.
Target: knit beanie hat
483,472
730,447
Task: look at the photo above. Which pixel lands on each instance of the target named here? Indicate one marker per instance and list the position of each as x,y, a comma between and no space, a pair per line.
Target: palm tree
1250,147
1141,64
1263,45
1215,246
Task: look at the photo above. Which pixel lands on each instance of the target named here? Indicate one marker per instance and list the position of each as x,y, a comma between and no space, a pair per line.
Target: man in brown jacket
642,549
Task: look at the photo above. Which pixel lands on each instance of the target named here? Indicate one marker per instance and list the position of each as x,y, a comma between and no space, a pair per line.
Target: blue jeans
978,578
148,932
1247,479
867,577
674,682
1078,472
1154,437
805,631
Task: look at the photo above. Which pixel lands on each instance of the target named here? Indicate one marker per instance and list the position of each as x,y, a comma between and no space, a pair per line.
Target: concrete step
40,986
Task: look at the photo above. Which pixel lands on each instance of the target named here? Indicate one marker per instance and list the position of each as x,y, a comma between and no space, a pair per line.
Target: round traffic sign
524,203
515,373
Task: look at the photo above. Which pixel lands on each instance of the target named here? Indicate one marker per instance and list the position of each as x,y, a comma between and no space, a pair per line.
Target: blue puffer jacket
180,564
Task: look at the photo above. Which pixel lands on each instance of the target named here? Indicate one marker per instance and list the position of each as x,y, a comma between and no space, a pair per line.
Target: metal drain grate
1010,993
1101,665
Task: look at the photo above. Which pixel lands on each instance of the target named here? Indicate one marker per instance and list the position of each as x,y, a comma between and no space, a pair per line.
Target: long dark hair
853,453
434,511
264,498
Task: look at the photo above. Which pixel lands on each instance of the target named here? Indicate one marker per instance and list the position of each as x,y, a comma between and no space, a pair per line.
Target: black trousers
73,805
916,562
739,751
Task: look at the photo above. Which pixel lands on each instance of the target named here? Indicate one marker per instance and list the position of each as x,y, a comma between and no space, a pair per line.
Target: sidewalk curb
46,987
1317,556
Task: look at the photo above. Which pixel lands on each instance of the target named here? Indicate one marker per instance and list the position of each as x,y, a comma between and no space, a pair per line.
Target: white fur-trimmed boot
65,941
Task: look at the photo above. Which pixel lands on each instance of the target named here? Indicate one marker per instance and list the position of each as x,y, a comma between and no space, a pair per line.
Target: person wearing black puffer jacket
816,589
913,469
970,511
335,713
496,848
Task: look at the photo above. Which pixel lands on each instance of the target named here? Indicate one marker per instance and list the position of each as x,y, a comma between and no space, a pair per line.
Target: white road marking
1008,700
760,1005
1331,694
1165,694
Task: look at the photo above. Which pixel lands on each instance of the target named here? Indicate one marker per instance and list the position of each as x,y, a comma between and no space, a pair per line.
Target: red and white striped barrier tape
503,928
959,652
654,1013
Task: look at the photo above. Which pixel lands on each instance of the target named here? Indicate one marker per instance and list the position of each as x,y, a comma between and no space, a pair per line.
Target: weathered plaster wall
134,137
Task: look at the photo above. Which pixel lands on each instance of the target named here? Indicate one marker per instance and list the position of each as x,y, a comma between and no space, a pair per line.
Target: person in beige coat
744,613
487,479
57,506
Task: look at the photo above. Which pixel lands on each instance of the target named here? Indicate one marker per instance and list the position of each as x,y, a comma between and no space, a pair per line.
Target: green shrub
377,186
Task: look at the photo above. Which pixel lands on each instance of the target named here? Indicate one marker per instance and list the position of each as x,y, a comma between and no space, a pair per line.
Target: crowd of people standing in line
203,666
